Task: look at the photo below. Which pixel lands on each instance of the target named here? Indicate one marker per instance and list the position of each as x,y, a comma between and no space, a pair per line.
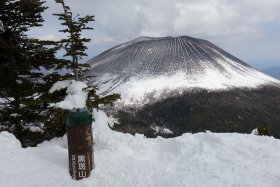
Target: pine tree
75,48
74,44
29,68
25,64
17,52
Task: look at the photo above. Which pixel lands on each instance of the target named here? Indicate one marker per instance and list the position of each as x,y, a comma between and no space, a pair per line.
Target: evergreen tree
29,68
25,64
17,52
75,47
74,44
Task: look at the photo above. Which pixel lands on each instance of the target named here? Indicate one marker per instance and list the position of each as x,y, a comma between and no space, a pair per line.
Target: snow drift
123,160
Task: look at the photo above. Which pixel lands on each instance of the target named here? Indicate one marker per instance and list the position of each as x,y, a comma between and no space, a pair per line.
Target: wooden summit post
80,143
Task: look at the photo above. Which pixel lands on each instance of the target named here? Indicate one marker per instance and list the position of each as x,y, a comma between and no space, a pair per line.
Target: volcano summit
173,85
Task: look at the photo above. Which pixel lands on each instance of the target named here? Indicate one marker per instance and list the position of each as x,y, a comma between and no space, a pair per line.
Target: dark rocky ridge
237,110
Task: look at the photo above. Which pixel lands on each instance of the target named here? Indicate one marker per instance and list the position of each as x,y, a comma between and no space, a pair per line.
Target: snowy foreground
203,159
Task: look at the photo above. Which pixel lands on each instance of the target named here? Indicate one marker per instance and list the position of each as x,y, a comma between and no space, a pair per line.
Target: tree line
29,67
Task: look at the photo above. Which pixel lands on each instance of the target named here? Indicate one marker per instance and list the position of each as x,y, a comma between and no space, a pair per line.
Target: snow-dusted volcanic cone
148,71
149,64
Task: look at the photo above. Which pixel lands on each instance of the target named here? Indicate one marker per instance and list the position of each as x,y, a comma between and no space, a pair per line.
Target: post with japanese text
80,143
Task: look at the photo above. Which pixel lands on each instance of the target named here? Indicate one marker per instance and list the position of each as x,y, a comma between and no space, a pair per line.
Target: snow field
122,160
136,88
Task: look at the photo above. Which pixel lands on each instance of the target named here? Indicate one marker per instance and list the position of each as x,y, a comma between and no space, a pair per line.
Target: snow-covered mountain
146,64
173,85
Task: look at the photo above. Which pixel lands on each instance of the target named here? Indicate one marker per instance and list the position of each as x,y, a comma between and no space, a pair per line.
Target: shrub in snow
262,131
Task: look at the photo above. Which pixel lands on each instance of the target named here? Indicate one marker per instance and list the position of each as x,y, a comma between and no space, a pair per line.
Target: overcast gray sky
248,29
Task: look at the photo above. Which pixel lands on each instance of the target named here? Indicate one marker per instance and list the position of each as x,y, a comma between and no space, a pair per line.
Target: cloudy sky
248,29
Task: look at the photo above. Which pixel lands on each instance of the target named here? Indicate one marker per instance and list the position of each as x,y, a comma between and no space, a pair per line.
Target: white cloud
132,18
214,20
110,39
180,17
47,37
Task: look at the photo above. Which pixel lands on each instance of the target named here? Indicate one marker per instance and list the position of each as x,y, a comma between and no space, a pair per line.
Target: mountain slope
172,63
174,85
